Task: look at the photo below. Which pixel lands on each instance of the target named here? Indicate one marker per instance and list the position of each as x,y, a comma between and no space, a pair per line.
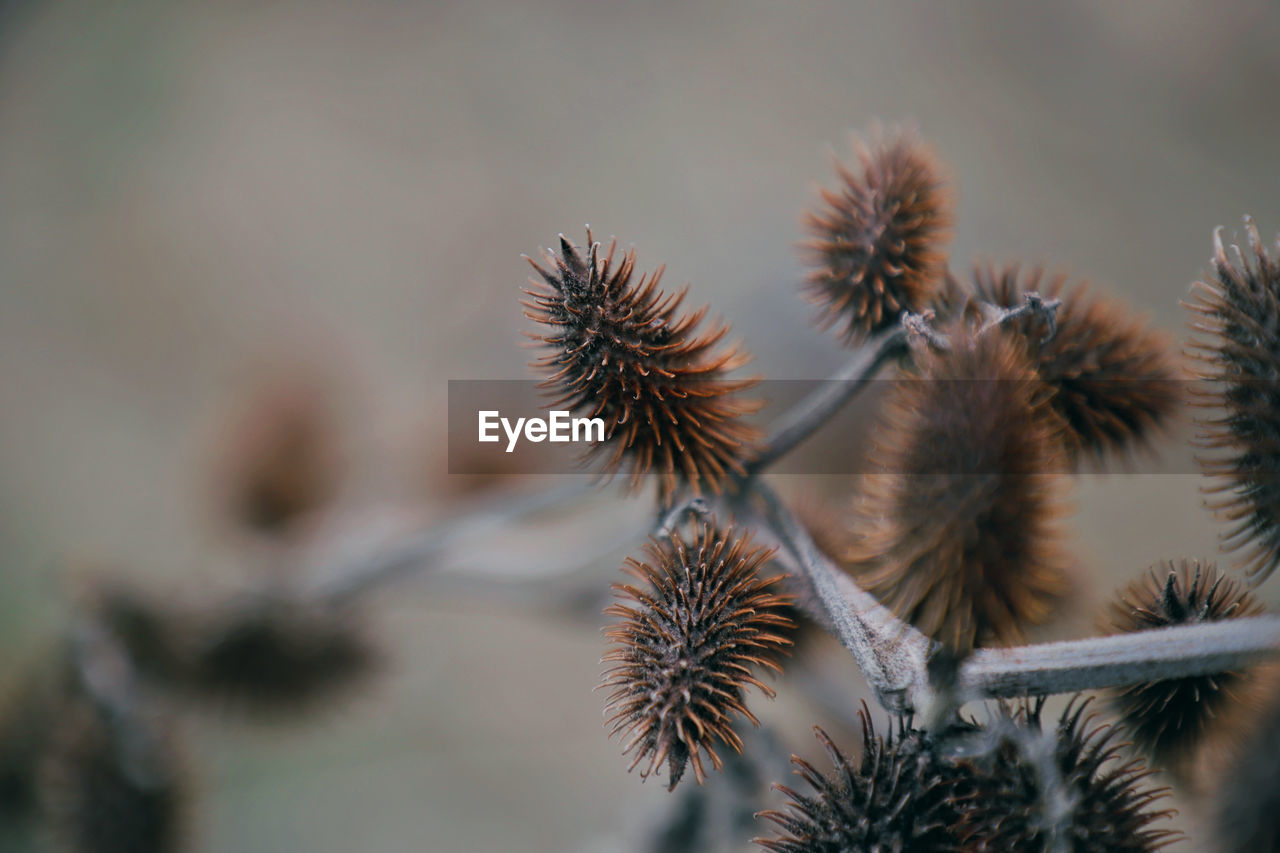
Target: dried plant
1003,385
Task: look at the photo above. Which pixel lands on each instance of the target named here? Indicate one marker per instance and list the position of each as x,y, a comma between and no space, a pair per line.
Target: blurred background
197,197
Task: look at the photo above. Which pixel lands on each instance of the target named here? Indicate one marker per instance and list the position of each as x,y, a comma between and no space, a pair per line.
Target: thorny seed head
900,798
1167,719
959,518
685,651
1076,793
621,350
1246,811
1112,376
1237,323
876,244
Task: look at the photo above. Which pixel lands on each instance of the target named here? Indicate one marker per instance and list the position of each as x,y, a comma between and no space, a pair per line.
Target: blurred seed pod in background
876,244
1236,321
1103,805
1245,793
109,784
1114,378
957,524
621,350
899,796
279,459
684,653
1168,719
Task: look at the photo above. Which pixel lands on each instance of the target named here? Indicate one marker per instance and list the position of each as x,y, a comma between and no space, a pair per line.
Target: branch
802,420
892,655
1118,660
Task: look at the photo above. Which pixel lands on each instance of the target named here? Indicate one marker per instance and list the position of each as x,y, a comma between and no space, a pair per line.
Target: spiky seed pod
960,513
280,460
1246,809
1167,719
110,785
876,244
684,653
279,658
621,350
900,798
1237,321
1113,377
269,657
1083,796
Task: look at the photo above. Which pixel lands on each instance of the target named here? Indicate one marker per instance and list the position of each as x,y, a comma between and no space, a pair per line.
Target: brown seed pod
1113,377
1246,808
273,658
620,350
901,796
110,784
683,655
1237,320
1084,796
280,459
876,244
959,517
1167,719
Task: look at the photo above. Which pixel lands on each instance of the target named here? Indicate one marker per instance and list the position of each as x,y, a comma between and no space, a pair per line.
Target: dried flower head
900,797
959,519
1168,718
271,657
876,245
1113,377
281,458
1238,320
622,351
110,785
1247,803
684,652
1081,795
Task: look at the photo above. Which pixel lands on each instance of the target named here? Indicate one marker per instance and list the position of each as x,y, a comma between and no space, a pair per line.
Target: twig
1120,659
892,655
413,552
1033,304
801,421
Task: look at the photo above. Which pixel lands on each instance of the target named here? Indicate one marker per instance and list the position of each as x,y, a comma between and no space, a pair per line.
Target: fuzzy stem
412,553
891,654
1118,660
802,420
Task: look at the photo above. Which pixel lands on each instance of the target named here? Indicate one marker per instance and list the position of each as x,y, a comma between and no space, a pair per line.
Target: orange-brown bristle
1167,719
1102,806
876,244
683,655
901,796
1113,377
959,516
1237,322
621,350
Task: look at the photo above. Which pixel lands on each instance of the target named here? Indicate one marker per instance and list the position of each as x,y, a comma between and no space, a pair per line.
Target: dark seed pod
1113,377
1237,319
876,244
1246,812
900,797
110,785
281,460
1081,796
1167,719
683,655
279,658
960,513
621,350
